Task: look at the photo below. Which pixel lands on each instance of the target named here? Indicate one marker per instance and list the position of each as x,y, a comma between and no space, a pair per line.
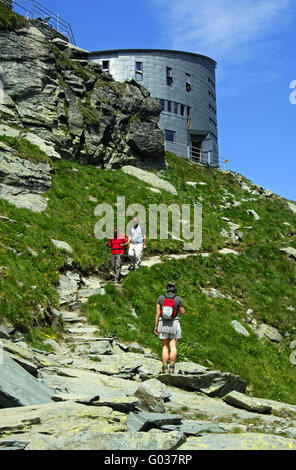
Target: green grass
10,21
261,278
24,149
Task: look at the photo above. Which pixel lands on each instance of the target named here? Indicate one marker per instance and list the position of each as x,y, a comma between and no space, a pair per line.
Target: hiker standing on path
117,243
167,325
137,241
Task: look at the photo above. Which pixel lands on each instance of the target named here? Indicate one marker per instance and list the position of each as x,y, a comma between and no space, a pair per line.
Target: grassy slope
262,278
10,21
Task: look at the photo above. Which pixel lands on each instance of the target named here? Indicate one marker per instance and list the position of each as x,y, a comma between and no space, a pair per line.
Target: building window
169,108
212,122
188,82
182,111
188,111
176,108
139,71
169,76
212,109
212,95
105,65
212,83
169,136
162,103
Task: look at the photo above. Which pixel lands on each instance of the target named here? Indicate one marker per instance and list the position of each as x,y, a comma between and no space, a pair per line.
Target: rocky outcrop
52,91
22,182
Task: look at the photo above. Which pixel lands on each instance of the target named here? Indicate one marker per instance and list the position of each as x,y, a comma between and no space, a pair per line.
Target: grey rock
7,444
240,400
269,332
5,332
212,383
101,347
239,328
292,207
144,421
243,441
291,252
29,366
253,213
119,441
18,387
60,245
52,343
190,368
194,427
151,394
149,178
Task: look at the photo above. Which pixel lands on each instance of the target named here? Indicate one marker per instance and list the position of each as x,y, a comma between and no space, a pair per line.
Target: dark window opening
188,82
162,103
188,111
139,71
176,108
169,136
169,106
169,76
105,65
182,110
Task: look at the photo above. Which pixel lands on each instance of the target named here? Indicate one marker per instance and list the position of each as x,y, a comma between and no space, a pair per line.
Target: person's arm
182,310
157,315
143,230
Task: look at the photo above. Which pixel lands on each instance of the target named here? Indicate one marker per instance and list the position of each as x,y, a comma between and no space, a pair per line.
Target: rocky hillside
53,92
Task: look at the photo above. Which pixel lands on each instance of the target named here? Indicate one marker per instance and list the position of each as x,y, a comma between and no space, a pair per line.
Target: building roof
114,51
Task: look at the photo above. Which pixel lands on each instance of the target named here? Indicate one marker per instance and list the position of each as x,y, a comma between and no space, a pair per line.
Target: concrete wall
200,100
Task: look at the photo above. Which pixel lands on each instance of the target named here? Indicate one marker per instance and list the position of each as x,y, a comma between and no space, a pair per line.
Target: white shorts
176,335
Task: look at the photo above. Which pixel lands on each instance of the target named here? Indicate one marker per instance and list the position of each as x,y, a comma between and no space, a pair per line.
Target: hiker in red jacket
118,244
167,325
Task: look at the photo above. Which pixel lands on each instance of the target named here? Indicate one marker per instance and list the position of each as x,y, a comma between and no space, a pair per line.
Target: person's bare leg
173,351
165,351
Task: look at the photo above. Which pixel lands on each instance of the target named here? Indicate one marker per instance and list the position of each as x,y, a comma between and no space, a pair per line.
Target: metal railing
198,156
34,10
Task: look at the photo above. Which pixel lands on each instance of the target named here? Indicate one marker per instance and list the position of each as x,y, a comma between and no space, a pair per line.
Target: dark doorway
196,150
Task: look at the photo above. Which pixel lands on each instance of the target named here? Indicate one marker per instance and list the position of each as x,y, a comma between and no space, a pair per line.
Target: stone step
82,330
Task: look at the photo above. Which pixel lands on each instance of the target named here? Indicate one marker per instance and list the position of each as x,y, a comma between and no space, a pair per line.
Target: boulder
60,245
268,332
239,328
21,181
118,441
242,441
151,394
144,421
254,214
212,383
291,252
292,207
5,332
18,387
240,400
194,427
149,178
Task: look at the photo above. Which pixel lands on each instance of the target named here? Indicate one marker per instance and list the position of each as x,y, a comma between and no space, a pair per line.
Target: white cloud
222,28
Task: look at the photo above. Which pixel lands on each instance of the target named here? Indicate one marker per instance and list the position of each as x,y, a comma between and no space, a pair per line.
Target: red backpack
168,311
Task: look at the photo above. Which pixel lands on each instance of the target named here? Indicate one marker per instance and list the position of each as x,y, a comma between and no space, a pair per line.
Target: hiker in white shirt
137,243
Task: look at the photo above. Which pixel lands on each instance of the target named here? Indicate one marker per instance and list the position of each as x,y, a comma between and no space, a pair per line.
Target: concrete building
185,85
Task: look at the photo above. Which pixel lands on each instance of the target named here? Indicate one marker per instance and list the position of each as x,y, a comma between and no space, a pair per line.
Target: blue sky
253,42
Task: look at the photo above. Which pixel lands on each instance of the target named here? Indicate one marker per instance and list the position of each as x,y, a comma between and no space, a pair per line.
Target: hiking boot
172,369
165,369
131,268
